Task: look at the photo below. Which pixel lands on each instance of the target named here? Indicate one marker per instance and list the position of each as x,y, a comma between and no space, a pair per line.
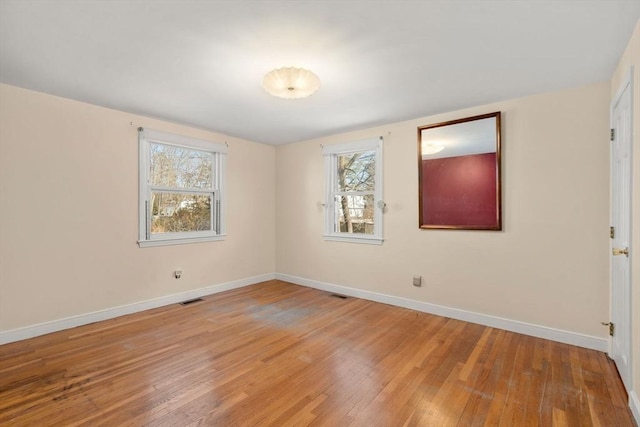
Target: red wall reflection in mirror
459,174
460,191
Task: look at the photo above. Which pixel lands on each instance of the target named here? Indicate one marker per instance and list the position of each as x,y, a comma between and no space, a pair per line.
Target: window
181,189
353,205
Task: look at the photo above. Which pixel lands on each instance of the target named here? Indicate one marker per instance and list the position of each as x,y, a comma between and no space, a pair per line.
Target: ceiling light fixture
291,83
431,148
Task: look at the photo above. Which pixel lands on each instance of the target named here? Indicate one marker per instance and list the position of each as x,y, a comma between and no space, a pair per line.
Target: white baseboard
634,404
552,334
567,337
84,319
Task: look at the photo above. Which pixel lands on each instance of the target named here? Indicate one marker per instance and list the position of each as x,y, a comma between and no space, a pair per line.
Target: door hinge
613,134
610,325
612,232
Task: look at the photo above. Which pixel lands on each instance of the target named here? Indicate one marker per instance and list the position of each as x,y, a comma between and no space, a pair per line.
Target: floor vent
191,301
338,296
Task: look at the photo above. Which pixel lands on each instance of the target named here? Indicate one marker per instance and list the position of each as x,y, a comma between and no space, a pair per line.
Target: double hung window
181,189
353,205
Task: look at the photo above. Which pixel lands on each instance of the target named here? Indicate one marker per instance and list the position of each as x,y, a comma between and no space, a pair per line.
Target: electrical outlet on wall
177,274
417,281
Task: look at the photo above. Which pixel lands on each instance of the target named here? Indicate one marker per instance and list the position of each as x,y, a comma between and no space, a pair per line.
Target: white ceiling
201,62
462,139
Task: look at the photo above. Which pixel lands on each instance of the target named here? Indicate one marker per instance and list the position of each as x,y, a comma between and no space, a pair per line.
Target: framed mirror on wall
459,169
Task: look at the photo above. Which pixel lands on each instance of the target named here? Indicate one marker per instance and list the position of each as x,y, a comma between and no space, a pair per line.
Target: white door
621,232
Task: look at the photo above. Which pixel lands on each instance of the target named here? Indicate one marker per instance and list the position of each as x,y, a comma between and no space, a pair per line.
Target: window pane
356,172
179,212
354,214
179,167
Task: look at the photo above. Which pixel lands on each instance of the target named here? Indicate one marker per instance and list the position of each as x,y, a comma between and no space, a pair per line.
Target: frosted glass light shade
431,148
291,82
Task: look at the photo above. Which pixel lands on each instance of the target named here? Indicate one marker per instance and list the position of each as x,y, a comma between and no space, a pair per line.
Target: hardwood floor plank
276,354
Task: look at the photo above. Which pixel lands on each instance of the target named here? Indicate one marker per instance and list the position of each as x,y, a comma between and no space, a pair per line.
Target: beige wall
631,58
69,220
68,177
548,267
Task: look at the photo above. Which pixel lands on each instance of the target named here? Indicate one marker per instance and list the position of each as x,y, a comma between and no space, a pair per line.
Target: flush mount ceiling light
431,148
291,83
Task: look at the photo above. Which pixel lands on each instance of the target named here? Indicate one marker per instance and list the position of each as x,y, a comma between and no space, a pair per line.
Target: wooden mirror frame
480,184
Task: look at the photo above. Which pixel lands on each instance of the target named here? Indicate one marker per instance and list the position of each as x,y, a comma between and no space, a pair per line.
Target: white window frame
219,152
331,153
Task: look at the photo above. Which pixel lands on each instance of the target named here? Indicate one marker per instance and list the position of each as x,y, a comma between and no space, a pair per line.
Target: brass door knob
624,251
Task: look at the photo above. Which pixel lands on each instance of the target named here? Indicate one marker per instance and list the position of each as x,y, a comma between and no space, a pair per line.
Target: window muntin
181,189
354,191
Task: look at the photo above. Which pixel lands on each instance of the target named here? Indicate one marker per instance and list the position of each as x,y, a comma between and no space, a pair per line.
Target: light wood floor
276,354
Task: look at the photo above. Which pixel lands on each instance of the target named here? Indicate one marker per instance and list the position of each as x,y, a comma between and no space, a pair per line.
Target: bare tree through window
174,171
355,197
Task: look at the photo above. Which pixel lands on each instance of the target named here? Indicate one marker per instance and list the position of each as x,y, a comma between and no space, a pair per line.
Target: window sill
179,241
352,239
